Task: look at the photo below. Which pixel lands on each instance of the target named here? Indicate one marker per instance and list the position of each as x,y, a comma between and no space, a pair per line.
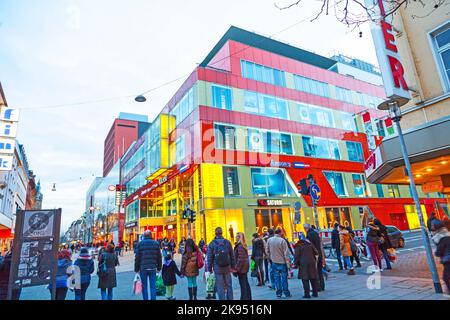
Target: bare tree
353,13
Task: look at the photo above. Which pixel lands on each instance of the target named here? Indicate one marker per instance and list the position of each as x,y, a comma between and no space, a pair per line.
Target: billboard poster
35,248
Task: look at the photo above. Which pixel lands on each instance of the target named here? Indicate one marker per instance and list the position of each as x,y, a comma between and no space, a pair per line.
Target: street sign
35,249
297,215
297,205
315,192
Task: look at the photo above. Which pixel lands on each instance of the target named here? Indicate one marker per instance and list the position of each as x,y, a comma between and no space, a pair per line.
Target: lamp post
392,106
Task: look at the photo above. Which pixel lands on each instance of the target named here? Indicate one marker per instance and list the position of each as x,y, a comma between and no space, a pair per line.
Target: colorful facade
253,119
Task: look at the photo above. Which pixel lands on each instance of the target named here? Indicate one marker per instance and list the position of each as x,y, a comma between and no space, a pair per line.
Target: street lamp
140,98
395,113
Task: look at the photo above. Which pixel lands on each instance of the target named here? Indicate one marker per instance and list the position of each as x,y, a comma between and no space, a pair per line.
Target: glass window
394,191
321,148
321,117
267,106
303,111
380,191
286,143
348,122
231,181
308,146
259,72
269,182
221,97
359,184
251,102
355,152
255,140
262,73
279,78
225,137
334,149
273,142
180,149
336,181
282,110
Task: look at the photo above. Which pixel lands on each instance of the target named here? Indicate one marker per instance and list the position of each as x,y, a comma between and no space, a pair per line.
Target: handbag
137,285
200,260
102,268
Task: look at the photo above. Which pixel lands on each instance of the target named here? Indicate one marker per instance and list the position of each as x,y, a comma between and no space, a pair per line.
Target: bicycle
329,252
361,248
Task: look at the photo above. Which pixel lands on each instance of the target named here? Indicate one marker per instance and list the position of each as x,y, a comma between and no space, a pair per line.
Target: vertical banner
368,130
35,249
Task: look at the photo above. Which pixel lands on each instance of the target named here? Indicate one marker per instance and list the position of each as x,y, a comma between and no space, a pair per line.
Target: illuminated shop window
329,216
336,181
221,97
261,73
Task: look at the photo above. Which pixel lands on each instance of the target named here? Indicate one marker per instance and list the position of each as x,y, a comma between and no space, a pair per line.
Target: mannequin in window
231,231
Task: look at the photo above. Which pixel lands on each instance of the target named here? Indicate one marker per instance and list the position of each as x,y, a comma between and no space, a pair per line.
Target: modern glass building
254,118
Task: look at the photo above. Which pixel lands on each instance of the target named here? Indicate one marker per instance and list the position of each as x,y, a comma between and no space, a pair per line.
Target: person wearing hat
306,256
441,237
64,262
86,266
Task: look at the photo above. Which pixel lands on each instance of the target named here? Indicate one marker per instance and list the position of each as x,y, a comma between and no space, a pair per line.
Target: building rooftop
133,117
264,43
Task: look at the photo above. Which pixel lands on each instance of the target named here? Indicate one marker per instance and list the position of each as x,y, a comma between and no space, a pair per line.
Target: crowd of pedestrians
272,261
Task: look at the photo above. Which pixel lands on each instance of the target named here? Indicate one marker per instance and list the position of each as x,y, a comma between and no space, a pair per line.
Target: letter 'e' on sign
386,49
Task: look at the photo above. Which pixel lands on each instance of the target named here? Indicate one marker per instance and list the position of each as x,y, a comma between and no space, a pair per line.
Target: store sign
301,165
434,186
373,162
387,53
9,114
270,202
7,145
231,181
6,162
131,224
8,129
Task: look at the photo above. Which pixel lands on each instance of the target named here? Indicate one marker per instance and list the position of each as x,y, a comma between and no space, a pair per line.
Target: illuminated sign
387,53
270,202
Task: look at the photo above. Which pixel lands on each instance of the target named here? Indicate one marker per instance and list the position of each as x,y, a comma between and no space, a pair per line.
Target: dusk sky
63,52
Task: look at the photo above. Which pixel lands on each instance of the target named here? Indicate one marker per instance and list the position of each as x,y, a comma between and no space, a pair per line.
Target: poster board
35,249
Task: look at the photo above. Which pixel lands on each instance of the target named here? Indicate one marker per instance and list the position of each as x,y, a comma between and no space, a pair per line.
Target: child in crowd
168,273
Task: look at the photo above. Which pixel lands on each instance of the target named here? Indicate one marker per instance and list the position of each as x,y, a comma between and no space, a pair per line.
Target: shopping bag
210,283
252,265
160,287
137,285
392,254
200,259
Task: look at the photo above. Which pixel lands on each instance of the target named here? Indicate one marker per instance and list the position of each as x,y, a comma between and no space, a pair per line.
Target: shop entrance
268,218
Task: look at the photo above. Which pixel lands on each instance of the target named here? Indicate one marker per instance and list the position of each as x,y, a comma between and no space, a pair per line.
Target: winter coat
189,266
314,237
387,242
5,267
108,280
241,257
305,259
258,250
335,239
211,252
373,234
61,273
344,239
442,240
86,266
169,270
148,256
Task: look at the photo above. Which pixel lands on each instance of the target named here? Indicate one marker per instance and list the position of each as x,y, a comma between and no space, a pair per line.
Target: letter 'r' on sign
397,73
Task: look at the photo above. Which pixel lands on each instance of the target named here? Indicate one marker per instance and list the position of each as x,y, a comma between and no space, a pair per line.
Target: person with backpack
258,255
190,264
147,262
168,274
346,251
278,252
242,266
107,279
86,266
221,262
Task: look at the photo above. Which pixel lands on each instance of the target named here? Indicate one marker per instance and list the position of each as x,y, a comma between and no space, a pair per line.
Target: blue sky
65,51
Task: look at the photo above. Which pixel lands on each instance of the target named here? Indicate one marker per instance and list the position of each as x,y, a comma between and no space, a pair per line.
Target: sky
69,51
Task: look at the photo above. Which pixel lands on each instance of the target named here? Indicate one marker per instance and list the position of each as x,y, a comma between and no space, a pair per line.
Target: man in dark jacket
336,245
221,261
314,237
441,237
147,262
386,243
430,220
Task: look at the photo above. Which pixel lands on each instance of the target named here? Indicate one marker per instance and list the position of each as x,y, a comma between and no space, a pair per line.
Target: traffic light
303,187
192,216
184,214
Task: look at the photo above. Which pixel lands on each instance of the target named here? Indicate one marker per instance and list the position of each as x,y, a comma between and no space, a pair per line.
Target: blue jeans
224,286
80,294
348,262
271,275
106,296
146,276
280,273
386,257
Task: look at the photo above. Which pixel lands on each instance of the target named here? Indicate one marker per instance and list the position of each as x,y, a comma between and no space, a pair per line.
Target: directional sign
297,205
297,216
315,192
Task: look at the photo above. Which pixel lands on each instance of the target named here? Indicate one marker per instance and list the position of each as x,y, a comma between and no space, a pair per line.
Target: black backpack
221,255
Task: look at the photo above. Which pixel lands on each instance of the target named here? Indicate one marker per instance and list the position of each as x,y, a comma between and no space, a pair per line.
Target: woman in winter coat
107,279
305,259
385,243
62,274
242,265
168,274
441,237
258,253
86,267
372,240
346,250
189,267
